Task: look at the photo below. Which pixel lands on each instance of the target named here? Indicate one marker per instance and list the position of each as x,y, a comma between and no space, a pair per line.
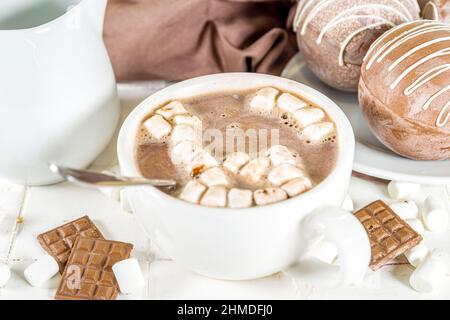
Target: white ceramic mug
237,244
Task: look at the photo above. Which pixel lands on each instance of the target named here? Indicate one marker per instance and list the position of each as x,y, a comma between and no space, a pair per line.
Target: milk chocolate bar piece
389,235
58,242
88,274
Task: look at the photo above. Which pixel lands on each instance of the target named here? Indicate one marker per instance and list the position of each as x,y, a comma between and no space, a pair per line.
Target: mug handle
342,229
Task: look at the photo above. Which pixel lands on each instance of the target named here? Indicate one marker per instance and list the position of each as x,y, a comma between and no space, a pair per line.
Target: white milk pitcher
58,97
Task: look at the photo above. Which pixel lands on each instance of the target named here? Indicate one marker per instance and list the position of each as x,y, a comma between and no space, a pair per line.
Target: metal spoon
98,179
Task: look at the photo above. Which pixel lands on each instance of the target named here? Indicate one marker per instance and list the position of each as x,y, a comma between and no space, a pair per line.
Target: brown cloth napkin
180,39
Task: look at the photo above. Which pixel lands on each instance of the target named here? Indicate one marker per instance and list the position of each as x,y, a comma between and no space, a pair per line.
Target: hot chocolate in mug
239,244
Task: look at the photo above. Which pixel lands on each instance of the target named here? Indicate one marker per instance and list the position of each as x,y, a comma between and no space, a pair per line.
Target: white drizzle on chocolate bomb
383,52
438,10
350,26
406,74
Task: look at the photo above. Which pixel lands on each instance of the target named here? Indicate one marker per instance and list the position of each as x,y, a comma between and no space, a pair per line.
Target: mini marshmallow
284,173
417,254
264,100
111,192
41,271
434,214
405,209
184,152
128,275
318,131
193,121
214,177
171,110
297,186
192,191
288,102
325,251
431,272
235,161
5,274
215,197
307,116
184,132
158,127
269,195
201,161
347,205
240,198
279,154
256,168
402,190
416,225
124,202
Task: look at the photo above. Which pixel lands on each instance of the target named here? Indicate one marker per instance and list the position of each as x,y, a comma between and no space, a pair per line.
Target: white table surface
46,207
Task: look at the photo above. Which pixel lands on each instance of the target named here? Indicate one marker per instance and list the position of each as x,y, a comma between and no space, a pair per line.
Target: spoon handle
98,179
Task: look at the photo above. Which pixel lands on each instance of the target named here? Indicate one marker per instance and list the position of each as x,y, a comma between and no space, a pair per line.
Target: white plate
371,157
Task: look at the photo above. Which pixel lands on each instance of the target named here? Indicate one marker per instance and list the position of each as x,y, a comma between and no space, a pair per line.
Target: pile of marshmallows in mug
431,266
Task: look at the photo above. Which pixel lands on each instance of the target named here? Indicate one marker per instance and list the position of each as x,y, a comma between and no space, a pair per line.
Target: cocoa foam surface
230,110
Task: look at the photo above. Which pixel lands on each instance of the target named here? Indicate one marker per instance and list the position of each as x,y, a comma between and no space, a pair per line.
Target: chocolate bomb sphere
438,10
334,35
404,90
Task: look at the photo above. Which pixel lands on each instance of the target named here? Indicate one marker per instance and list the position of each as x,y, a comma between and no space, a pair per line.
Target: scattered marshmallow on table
5,274
158,127
192,191
431,272
235,161
434,214
264,100
297,186
256,168
124,202
41,271
417,225
402,190
128,275
318,131
215,196
348,205
417,254
214,177
305,117
284,173
269,195
240,198
325,251
405,209
171,110
288,102
111,192
279,154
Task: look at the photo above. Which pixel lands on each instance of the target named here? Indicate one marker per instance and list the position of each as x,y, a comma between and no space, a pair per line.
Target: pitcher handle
342,229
